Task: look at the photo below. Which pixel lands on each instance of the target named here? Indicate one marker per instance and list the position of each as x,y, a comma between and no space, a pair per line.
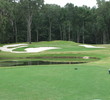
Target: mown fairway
90,81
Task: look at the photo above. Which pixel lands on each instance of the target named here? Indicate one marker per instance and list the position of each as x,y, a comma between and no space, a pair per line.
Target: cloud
89,3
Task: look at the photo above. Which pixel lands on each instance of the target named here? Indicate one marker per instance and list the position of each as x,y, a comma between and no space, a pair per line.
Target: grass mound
57,82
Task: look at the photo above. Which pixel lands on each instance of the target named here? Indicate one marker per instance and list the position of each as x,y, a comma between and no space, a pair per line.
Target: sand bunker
90,46
40,49
10,48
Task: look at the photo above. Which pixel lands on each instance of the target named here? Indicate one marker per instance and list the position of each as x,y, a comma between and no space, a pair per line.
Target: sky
89,3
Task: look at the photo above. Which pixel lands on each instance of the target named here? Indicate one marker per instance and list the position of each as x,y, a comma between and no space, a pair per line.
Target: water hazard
23,63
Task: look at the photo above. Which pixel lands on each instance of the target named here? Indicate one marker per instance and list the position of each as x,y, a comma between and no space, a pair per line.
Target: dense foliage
32,20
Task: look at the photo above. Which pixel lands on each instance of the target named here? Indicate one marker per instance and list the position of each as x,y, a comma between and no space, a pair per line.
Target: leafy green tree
103,20
51,13
30,7
5,21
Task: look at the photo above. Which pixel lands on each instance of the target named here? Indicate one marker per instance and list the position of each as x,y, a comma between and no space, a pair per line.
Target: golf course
54,50
83,81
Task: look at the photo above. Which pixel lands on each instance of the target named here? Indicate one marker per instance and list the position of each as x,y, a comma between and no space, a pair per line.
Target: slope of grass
58,82
67,49
66,46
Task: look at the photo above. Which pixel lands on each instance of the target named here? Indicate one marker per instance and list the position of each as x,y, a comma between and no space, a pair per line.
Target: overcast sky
89,3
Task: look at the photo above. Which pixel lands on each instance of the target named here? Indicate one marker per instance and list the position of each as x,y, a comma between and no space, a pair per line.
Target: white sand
40,49
90,46
10,48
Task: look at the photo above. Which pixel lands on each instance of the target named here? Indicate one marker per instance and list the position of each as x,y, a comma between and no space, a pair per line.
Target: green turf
55,82
67,49
58,82
65,46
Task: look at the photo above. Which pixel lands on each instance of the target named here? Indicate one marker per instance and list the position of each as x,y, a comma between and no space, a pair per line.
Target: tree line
33,21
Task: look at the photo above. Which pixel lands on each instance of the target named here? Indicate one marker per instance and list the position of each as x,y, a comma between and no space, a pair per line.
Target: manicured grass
67,49
55,82
90,81
66,46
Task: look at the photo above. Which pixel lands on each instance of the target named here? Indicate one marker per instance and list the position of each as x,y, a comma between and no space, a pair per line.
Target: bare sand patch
10,48
90,46
40,49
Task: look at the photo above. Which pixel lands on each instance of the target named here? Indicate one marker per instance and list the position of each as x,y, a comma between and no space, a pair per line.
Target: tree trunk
78,36
104,38
16,37
37,35
29,21
60,32
83,33
83,38
96,38
107,36
69,30
15,26
50,30
64,32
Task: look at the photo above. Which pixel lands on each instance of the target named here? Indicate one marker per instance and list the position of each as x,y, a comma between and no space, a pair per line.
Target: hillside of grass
67,48
91,81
